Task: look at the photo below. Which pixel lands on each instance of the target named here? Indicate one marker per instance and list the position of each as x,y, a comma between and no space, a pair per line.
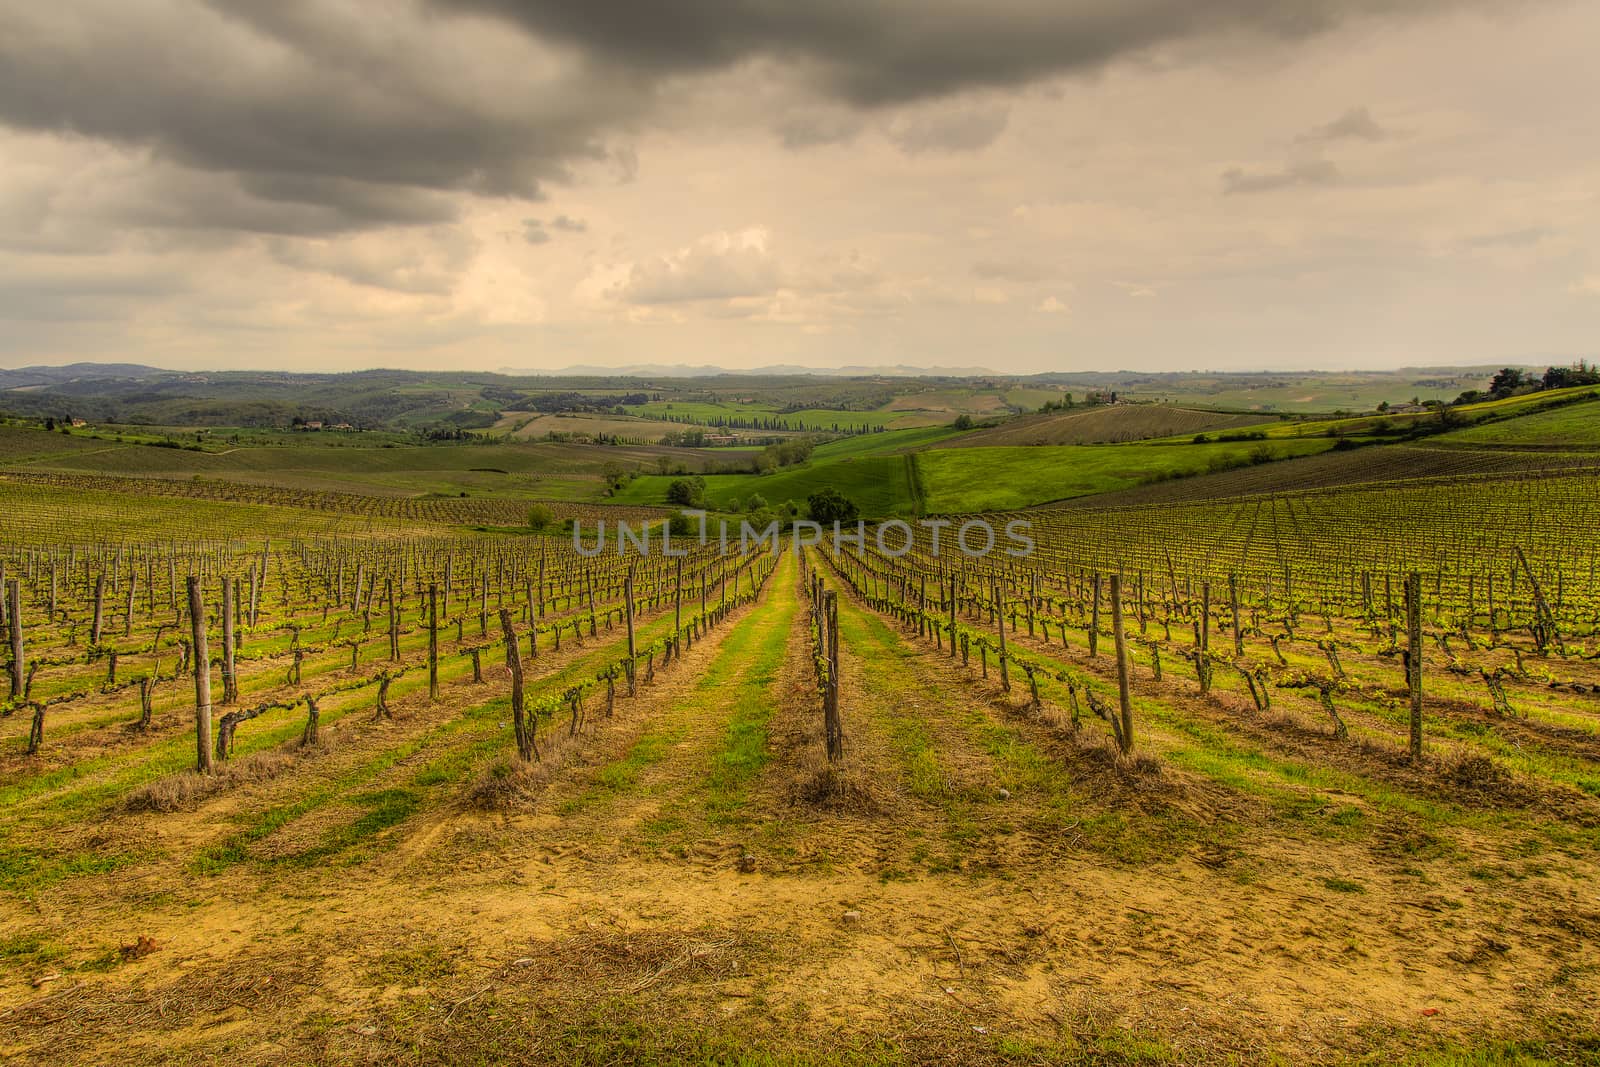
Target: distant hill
26,377
682,370
1106,424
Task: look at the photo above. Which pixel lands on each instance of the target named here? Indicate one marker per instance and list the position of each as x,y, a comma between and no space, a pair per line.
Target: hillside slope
1112,424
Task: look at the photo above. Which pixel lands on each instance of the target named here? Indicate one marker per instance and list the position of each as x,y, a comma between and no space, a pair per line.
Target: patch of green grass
386,808
1343,885
1002,479
30,949
744,752
27,870
879,485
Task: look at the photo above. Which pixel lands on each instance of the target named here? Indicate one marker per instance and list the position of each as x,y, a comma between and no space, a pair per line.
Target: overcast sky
1018,184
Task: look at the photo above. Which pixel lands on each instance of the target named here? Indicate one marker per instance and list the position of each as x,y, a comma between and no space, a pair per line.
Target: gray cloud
537,231
1357,124
964,130
69,289
402,270
894,51
809,129
317,117
721,267
1309,172
319,121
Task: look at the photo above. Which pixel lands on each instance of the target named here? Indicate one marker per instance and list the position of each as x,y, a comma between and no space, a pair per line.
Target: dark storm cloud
327,123
894,51
319,117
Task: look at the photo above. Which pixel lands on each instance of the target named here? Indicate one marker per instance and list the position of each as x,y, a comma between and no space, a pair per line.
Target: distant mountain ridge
709,370
23,377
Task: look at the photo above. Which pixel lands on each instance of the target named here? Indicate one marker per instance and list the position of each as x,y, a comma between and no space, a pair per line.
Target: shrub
540,516
829,506
687,492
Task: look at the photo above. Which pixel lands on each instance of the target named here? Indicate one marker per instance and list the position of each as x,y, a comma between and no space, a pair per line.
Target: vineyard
1311,773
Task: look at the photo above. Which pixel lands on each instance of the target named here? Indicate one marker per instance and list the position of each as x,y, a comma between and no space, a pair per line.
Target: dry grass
631,961
507,784
186,790
510,783
838,789
78,1016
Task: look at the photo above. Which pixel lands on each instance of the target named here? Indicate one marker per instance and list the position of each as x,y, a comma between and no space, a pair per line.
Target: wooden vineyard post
253,613
1000,618
677,611
1094,621
1233,612
99,608
433,641
540,605
952,616
1202,660
1414,658
19,665
394,620
527,747
127,616
230,687
308,736
627,596
830,704
1124,703
202,677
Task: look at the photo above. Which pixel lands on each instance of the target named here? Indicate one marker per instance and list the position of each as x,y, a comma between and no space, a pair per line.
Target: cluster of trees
1064,404
553,403
788,453
1512,381
826,506
1090,399
761,422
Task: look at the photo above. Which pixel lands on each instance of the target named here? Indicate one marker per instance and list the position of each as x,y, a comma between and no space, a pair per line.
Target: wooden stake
202,677
527,745
1414,658
1125,704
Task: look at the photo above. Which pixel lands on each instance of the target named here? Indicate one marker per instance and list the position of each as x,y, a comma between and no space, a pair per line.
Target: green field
998,479
874,444
707,413
977,479
1571,427
879,485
